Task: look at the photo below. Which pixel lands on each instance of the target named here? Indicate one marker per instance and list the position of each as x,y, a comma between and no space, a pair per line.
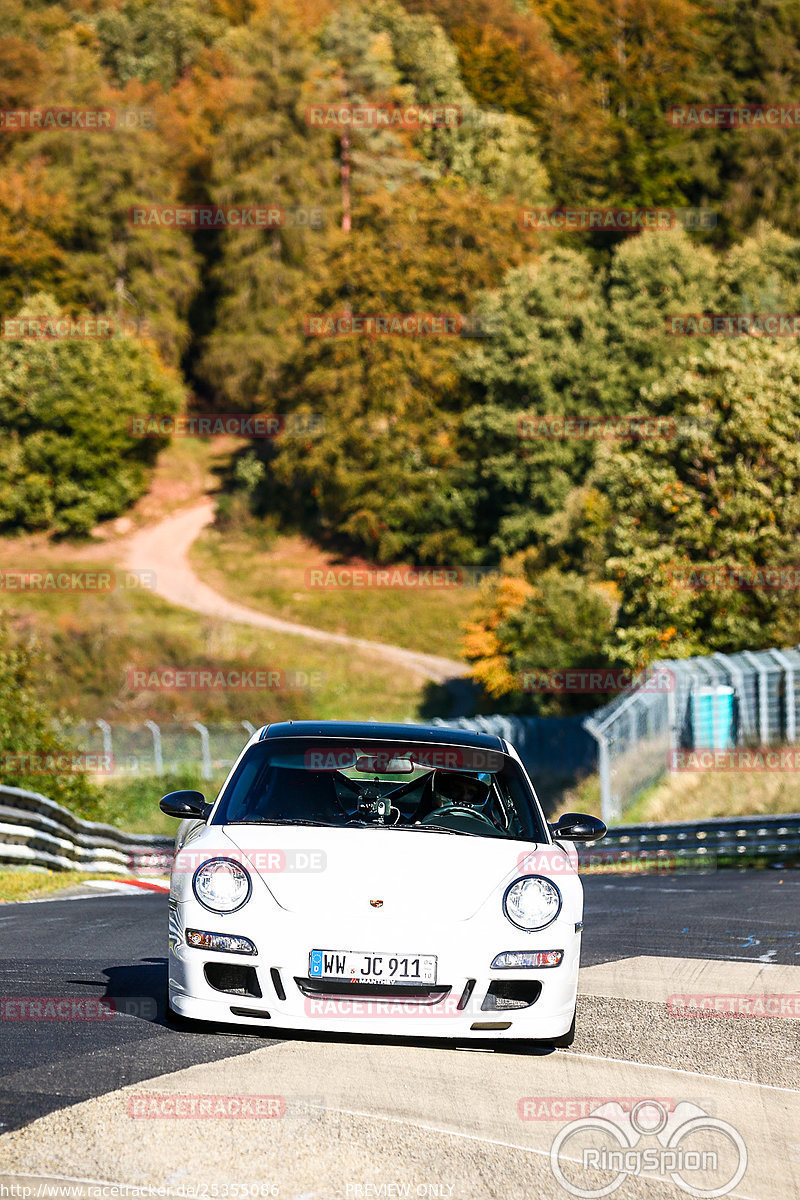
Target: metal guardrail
688,845
37,832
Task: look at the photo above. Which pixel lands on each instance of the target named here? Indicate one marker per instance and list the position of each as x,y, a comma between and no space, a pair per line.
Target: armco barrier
719,841
37,832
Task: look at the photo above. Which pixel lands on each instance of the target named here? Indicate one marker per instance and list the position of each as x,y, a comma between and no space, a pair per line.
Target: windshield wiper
266,821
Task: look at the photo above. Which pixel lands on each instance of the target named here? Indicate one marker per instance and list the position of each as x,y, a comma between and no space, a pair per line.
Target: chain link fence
718,702
556,751
152,748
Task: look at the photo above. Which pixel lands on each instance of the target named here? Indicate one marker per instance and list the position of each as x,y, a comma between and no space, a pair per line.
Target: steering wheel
362,790
440,814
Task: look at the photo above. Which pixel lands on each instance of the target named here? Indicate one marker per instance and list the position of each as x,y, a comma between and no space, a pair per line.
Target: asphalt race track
377,1117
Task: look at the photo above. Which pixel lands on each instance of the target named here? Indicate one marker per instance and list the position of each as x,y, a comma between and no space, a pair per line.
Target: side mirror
578,827
185,805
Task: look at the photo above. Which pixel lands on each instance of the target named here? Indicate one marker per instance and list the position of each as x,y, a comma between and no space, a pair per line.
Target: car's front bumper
464,952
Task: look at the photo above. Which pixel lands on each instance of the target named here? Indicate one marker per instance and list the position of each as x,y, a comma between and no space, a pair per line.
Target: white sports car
370,878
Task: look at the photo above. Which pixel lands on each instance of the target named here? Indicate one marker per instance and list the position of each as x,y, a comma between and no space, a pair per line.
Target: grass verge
94,640
272,573
684,796
21,884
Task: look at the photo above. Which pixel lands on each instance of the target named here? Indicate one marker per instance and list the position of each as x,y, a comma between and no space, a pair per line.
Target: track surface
378,1118
116,947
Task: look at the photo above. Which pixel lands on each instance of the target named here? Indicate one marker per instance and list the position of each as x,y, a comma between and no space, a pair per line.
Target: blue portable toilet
712,718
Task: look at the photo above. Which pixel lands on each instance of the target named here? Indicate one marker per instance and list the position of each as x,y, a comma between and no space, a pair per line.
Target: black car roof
361,730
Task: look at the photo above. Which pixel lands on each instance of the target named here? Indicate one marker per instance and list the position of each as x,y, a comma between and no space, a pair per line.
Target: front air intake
233,979
504,994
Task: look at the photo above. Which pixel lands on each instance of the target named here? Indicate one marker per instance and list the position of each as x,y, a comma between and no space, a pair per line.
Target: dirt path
164,549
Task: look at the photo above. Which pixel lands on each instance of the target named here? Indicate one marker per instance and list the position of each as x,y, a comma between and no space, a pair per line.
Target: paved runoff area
684,1075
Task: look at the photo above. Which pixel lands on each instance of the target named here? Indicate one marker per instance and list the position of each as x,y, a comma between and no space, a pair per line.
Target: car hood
307,869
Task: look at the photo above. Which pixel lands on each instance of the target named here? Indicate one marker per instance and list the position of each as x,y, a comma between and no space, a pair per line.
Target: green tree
26,726
551,620
67,456
268,157
722,494
384,474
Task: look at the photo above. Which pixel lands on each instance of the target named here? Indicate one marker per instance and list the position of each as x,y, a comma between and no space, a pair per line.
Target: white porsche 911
371,878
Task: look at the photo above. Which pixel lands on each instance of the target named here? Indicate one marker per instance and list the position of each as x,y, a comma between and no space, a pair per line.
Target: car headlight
532,902
221,885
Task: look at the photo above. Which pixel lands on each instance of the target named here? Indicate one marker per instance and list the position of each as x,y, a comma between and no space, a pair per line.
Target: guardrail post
158,758
205,750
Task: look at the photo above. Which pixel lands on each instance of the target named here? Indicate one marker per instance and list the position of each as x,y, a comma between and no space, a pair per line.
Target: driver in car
453,790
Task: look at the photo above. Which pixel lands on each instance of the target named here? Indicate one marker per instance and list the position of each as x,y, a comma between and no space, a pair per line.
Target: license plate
362,967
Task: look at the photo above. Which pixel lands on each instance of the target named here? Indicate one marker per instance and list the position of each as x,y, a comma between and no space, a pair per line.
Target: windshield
401,786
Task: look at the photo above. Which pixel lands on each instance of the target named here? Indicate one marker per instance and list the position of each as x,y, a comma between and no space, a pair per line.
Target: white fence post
105,728
205,749
158,758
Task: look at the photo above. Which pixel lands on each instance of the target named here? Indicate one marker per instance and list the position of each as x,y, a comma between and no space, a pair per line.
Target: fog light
229,942
527,958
